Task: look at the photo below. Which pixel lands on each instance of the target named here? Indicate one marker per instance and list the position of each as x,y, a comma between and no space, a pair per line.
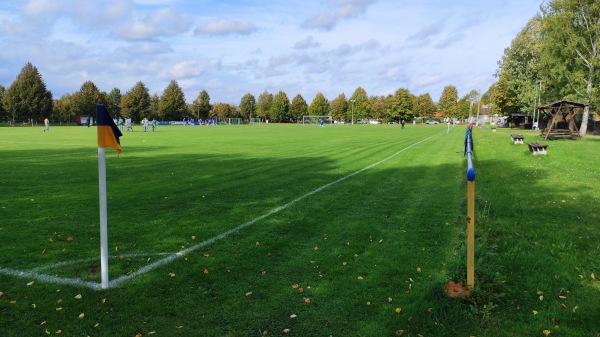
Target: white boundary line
173,256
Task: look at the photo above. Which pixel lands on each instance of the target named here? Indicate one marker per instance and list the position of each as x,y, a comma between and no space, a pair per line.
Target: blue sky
233,47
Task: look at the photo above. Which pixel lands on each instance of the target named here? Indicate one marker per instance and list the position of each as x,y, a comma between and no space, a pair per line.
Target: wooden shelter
561,119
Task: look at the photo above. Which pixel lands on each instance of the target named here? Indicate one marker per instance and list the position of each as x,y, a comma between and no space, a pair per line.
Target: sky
233,47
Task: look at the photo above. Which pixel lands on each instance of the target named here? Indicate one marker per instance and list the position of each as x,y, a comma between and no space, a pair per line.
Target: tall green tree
571,59
27,97
153,109
298,108
201,107
400,105
319,106
247,106
263,106
63,109
519,70
171,105
359,105
136,102
339,107
424,105
379,108
114,102
83,102
448,100
280,107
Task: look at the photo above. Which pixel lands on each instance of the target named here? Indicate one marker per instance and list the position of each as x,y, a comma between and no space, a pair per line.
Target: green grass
381,224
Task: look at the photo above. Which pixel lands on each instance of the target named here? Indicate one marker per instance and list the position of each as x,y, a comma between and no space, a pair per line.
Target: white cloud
342,10
224,27
165,22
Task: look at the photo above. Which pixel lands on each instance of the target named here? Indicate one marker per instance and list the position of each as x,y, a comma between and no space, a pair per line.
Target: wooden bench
517,139
537,148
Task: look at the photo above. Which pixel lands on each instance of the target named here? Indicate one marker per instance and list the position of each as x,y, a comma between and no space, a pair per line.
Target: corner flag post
103,216
108,136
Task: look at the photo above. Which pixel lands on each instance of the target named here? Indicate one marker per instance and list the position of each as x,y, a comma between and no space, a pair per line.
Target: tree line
27,98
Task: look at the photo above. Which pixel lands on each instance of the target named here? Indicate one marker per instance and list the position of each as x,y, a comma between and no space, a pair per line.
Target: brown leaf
399,332
316,248
307,300
457,289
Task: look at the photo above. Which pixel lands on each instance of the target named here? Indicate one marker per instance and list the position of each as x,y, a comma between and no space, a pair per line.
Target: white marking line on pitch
173,256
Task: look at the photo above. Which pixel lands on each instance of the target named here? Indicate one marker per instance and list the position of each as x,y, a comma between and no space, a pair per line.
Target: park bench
517,139
537,148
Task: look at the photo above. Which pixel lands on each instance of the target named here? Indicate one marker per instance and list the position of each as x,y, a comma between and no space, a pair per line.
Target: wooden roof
557,104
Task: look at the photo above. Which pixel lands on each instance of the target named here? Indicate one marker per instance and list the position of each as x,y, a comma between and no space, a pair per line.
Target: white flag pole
103,217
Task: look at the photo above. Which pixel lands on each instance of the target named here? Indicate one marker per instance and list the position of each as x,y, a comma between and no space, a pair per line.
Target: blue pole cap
471,174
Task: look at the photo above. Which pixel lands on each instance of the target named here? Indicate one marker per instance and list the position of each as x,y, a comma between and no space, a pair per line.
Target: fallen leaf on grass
344,263
249,293
193,237
121,257
13,302
562,297
138,335
81,316
286,331
58,309
390,300
360,278
541,297
301,290
293,316
1,293
172,274
418,269
399,332
70,238
593,276
30,283
295,286
398,310
58,332
50,240
368,302
102,301
307,300
78,297
257,243
575,308
535,312
546,332
457,289
562,306
33,305
316,248
205,271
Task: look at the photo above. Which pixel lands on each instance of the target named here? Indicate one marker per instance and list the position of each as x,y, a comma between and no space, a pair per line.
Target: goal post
230,121
315,120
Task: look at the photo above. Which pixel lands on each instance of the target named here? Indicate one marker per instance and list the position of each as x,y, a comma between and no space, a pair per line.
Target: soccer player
47,124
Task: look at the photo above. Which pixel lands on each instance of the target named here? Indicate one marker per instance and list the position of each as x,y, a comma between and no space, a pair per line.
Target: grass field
335,231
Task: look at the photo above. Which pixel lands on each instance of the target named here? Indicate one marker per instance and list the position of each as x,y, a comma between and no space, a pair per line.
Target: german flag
108,132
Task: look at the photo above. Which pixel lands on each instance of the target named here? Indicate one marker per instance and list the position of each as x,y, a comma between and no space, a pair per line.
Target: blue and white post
470,208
